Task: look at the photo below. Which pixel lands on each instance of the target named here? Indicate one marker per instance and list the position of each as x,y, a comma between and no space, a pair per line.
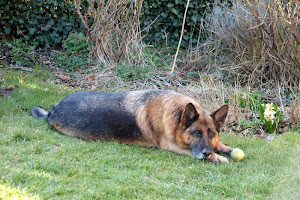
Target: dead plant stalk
181,35
114,27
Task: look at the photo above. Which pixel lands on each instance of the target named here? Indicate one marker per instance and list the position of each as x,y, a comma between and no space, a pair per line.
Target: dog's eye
211,134
197,133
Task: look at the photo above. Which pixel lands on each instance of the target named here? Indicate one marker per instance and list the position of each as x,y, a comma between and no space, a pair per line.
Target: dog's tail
38,112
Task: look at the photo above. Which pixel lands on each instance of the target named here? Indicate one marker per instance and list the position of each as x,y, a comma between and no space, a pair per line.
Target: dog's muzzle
205,154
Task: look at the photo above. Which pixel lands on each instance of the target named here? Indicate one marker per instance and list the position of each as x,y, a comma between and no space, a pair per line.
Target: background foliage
165,18
43,23
47,23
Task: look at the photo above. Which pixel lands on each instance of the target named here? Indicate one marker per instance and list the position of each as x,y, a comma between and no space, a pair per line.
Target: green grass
39,163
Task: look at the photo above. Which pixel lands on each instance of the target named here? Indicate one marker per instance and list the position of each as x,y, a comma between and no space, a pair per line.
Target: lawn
40,163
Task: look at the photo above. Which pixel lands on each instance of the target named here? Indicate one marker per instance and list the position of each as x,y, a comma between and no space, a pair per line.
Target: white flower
243,95
269,113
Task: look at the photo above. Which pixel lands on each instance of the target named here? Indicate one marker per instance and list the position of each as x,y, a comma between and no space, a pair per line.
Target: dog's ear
219,116
189,115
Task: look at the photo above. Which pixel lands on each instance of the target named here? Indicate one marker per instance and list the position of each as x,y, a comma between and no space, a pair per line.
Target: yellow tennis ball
237,154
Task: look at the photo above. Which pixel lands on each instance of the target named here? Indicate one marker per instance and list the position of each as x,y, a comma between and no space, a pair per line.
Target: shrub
76,43
114,27
258,40
20,53
40,22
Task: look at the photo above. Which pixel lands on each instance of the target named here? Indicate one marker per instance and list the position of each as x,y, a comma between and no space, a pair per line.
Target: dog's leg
222,148
175,148
217,158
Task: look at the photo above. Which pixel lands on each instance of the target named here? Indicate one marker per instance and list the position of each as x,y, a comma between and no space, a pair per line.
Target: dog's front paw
218,159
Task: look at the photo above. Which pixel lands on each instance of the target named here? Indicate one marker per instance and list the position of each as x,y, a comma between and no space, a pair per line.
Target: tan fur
159,119
73,133
65,131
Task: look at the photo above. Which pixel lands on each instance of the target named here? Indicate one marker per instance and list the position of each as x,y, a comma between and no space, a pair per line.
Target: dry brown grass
293,111
114,27
256,42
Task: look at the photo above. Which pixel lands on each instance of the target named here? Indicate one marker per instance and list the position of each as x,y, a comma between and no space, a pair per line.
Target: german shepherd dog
151,118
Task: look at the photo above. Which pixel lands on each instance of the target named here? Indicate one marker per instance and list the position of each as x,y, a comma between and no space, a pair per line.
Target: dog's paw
222,159
218,159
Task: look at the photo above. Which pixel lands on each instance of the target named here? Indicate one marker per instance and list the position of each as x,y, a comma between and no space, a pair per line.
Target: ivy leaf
173,10
32,30
164,15
7,29
186,37
195,18
170,5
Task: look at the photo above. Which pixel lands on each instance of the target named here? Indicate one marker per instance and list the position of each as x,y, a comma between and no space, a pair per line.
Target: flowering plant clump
269,113
270,116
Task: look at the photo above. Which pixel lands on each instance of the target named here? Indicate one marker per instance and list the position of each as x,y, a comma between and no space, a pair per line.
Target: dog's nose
206,152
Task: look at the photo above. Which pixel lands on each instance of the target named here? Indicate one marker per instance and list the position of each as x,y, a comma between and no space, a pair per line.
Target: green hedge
43,23
47,22
169,16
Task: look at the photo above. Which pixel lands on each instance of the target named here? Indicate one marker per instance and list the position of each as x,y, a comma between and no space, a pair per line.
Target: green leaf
195,18
275,107
173,10
186,37
164,15
193,74
32,30
262,108
170,5
7,29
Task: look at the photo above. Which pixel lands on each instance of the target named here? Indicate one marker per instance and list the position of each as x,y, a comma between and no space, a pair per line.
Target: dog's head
200,130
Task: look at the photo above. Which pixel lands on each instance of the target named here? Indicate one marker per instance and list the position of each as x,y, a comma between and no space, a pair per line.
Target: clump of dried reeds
114,27
257,40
